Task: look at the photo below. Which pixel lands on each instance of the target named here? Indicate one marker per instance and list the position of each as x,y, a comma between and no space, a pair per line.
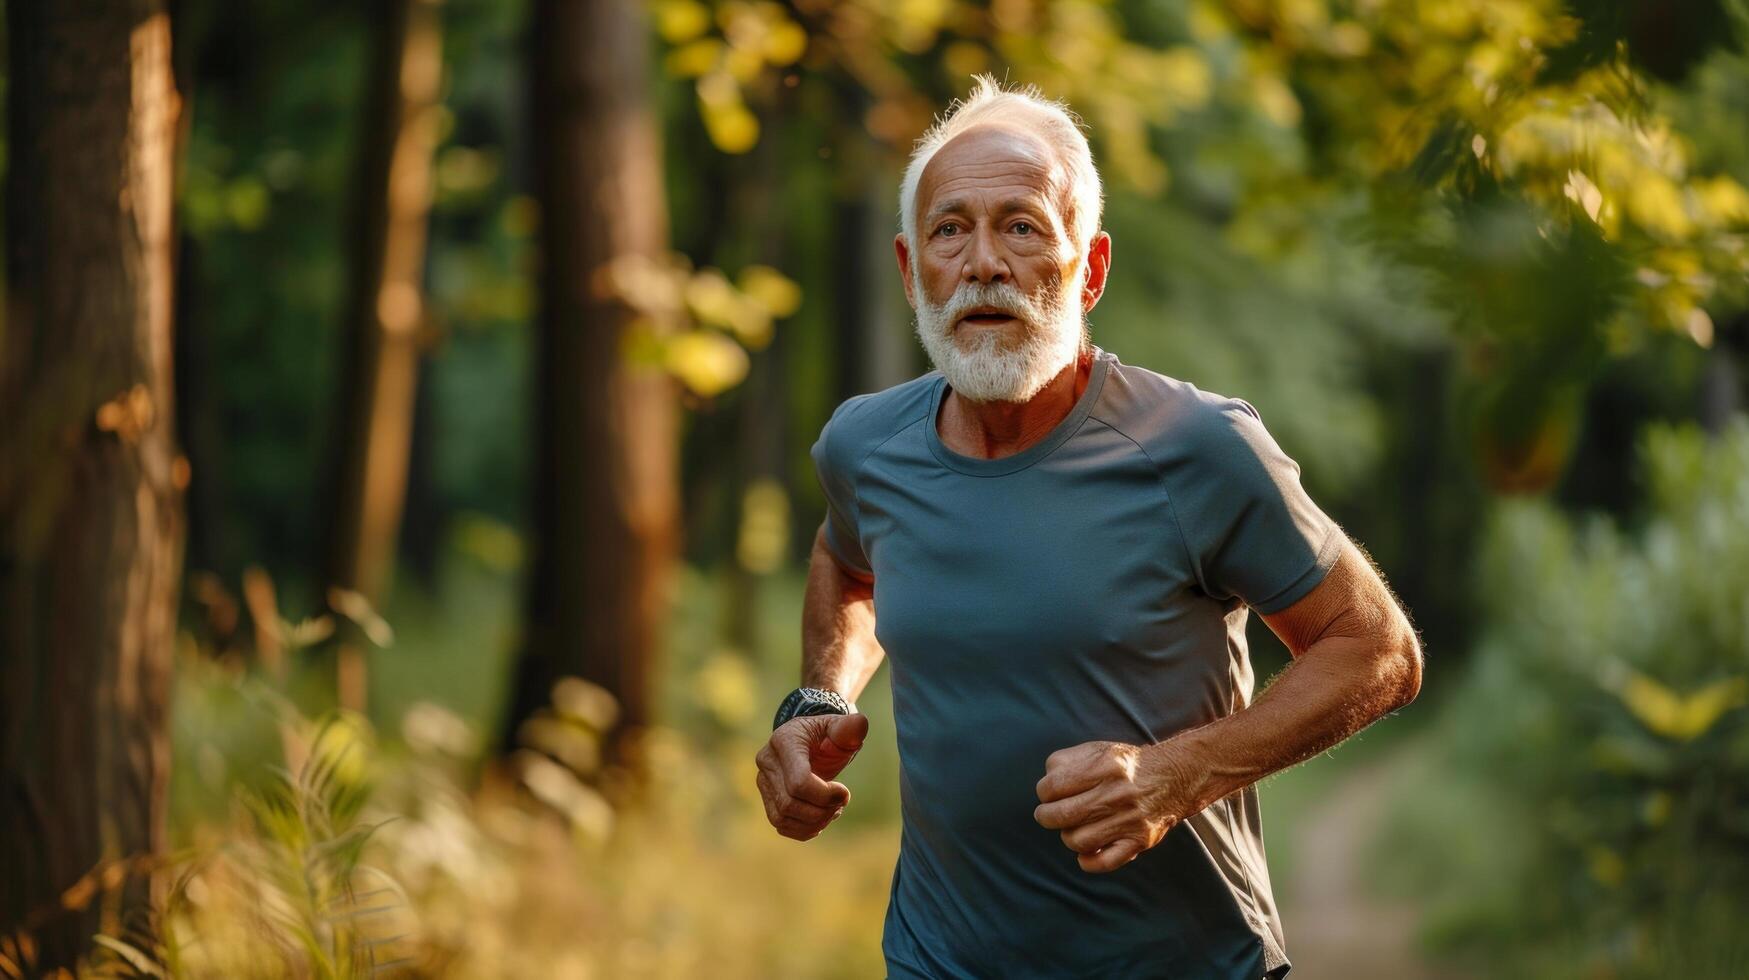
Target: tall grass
315,846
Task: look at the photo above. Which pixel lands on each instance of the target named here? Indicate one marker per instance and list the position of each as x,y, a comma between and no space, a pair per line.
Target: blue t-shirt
1094,586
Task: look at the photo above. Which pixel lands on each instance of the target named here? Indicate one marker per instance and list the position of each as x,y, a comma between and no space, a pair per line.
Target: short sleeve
1251,529
835,465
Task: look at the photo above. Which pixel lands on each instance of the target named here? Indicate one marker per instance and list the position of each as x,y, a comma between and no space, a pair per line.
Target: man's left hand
1112,800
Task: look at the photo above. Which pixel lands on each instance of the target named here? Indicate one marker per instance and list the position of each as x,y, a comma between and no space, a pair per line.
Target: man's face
997,282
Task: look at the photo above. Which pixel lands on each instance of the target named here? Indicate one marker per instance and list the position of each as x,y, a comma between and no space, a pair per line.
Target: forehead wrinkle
1021,165
1006,206
1034,180
1021,158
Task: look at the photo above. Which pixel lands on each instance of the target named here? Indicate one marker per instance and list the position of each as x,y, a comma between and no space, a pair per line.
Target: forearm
1338,686
839,649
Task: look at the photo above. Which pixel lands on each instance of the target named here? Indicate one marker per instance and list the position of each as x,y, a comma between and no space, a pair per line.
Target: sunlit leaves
678,21
563,748
726,687
1679,715
750,39
1721,200
695,58
696,324
1438,76
731,125
1284,111
588,812
711,299
770,289
1582,191
1274,100
1078,51
708,363
762,546
916,23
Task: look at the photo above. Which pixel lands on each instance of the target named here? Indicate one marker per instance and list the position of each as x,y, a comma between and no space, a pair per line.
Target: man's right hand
795,766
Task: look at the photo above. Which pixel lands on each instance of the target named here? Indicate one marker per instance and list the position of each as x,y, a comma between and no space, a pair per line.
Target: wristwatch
811,701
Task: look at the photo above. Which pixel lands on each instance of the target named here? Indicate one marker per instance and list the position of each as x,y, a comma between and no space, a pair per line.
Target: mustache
1001,296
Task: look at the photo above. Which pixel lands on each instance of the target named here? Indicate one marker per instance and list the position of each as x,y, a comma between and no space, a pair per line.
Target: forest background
404,486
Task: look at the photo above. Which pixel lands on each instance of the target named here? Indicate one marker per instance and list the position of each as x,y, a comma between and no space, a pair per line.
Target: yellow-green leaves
1587,141
708,363
696,324
1079,52
678,21
749,39
1676,715
726,687
778,294
762,544
731,125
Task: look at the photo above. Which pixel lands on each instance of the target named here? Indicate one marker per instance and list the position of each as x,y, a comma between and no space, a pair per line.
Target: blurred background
404,488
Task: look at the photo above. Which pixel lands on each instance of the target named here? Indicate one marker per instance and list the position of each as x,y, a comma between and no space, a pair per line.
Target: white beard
990,372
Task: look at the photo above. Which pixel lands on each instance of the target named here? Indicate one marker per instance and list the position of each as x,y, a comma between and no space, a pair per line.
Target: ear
1098,266
902,249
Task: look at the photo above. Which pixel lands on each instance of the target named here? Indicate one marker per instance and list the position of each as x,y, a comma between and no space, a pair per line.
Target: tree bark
385,313
872,349
605,522
90,482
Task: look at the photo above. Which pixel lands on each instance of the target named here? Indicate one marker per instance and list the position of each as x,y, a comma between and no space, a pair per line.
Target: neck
991,430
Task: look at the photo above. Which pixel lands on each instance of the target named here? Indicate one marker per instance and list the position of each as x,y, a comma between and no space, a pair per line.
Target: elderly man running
1059,552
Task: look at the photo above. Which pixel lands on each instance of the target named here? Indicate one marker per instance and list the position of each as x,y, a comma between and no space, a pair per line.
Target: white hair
1028,108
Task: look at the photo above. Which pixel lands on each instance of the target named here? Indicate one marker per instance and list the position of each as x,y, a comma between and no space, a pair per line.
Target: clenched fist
1112,801
795,766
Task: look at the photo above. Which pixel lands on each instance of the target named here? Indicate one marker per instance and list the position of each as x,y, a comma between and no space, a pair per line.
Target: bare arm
839,653
839,649
1356,658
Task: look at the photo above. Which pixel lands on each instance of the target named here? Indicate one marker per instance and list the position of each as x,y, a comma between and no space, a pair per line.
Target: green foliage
284,891
1608,717
696,325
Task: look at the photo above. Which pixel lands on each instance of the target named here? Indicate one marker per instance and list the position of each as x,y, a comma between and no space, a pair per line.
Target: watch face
788,709
806,701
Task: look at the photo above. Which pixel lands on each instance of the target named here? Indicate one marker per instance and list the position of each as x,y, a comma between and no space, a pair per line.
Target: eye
948,228
1022,228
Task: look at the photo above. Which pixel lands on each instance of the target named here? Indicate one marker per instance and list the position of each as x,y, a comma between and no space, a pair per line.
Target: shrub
1605,731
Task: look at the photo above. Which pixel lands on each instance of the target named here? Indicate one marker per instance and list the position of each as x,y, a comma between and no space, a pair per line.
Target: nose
985,263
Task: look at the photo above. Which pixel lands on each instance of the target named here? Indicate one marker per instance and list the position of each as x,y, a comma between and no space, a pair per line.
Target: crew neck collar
1014,462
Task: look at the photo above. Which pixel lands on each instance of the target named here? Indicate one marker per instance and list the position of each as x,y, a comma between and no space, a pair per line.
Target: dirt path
1337,930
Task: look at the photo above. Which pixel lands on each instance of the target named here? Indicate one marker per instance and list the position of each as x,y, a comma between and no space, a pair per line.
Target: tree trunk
90,482
873,349
421,537
605,522
386,311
